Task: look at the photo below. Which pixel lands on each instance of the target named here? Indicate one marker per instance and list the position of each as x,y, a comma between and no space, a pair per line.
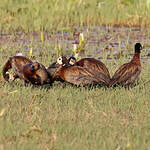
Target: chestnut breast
28,72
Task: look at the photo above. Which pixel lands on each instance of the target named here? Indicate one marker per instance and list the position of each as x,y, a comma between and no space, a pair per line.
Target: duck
75,75
16,63
95,66
127,74
53,69
36,74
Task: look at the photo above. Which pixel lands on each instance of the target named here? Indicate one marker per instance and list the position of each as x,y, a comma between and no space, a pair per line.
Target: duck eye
59,60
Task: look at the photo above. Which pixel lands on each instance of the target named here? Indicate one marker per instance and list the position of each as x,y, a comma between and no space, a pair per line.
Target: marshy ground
67,117
64,117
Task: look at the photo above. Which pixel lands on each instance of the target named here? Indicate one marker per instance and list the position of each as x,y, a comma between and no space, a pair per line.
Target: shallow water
100,42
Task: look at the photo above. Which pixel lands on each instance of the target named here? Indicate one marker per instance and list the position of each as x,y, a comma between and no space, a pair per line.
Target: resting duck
95,66
16,63
75,74
36,73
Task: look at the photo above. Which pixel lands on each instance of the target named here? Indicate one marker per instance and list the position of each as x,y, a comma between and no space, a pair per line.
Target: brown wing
18,63
6,67
21,60
103,78
126,74
53,71
43,75
94,65
78,75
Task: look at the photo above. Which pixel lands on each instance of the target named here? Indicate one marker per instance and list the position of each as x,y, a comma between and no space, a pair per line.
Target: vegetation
35,15
65,117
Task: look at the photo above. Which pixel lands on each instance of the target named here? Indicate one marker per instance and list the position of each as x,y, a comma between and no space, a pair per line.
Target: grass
74,118
65,117
52,15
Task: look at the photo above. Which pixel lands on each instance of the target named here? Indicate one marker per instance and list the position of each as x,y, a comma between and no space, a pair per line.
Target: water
100,42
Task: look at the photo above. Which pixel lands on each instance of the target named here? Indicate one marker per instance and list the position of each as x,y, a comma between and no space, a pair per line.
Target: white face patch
72,62
59,61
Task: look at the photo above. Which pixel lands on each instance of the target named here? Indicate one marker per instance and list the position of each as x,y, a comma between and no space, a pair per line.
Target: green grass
75,118
38,15
65,117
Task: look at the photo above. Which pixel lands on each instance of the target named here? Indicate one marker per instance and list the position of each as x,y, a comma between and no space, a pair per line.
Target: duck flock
85,72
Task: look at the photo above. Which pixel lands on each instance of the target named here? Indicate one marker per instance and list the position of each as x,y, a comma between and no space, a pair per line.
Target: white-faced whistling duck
16,63
36,73
95,66
75,74
53,71
128,72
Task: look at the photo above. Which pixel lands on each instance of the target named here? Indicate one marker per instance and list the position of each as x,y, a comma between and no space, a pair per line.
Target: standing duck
95,66
128,72
75,74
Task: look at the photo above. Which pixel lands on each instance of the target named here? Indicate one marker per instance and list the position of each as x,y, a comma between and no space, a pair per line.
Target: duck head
72,60
35,66
62,60
138,47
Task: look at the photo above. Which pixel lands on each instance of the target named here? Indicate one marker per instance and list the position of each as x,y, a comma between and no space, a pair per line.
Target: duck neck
136,59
